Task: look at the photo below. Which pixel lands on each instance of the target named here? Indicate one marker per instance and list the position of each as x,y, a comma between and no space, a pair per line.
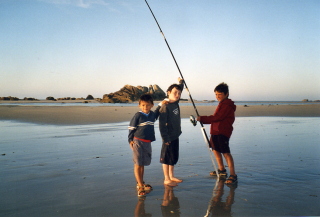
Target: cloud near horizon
77,3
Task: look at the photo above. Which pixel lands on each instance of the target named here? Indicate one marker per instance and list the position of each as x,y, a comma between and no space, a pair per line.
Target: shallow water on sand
86,170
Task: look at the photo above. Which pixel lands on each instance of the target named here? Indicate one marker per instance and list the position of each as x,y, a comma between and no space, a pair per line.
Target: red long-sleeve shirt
222,119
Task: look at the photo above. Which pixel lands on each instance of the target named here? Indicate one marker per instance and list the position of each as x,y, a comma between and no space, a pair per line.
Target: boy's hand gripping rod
194,106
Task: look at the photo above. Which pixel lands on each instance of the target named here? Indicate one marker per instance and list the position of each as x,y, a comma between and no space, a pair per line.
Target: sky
265,50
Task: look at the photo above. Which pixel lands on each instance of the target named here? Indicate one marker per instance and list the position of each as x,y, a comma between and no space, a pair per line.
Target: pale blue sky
264,49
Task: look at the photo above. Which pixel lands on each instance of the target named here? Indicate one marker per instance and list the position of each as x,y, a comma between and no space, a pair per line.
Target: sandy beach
76,161
87,170
73,115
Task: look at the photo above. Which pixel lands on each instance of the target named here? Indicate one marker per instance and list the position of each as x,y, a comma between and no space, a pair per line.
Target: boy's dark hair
146,98
170,88
222,88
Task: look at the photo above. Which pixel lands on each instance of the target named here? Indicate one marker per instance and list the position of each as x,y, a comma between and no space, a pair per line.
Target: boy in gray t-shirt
170,130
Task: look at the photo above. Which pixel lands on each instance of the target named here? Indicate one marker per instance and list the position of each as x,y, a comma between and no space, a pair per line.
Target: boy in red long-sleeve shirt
221,129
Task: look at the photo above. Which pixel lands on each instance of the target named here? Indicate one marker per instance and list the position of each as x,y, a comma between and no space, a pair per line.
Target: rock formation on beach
11,98
89,97
131,93
51,98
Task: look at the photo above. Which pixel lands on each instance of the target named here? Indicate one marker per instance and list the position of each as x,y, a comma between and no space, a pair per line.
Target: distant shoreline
21,101
82,115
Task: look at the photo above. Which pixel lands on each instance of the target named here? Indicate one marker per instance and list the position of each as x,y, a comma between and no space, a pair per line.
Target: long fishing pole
194,106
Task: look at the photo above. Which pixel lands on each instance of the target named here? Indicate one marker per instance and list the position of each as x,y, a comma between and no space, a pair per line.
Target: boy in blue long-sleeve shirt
141,134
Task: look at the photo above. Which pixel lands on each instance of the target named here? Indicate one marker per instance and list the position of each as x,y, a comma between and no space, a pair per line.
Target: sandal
221,173
141,191
231,180
146,187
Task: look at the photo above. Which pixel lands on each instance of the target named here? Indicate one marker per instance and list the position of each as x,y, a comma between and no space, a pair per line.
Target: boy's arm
219,116
157,111
163,124
133,127
181,83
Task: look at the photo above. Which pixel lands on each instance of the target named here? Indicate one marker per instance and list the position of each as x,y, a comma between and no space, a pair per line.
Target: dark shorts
220,143
170,153
142,152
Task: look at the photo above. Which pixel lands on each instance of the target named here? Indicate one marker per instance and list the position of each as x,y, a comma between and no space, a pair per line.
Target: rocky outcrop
30,99
89,97
11,98
50,98
131,93
67,98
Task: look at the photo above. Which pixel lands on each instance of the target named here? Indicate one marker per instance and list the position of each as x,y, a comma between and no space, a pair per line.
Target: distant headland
127,94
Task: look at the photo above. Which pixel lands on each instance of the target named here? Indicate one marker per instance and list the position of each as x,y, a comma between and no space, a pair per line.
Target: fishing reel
193,120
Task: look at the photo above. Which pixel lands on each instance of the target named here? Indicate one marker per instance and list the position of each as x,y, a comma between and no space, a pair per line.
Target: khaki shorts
142,152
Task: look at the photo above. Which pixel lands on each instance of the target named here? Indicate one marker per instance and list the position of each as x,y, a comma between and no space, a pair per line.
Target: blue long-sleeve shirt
142,125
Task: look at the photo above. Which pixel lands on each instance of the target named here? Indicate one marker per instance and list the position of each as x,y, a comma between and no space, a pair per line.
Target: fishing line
194,106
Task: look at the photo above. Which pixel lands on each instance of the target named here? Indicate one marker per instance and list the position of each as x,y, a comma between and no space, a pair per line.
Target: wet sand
86,170
73,115
75,161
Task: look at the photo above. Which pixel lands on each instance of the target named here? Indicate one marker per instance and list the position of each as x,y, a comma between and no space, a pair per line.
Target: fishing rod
204,133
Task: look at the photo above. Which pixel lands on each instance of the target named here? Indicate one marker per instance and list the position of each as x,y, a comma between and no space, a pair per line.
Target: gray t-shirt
170,122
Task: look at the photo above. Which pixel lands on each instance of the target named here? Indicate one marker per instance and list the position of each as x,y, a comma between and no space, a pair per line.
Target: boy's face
145,106
174,95
220,96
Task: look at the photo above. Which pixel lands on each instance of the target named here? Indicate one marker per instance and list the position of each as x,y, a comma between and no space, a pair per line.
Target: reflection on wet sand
216,206
170,205
140,211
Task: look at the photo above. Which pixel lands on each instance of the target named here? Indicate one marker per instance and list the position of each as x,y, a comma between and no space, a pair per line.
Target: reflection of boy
139,210
170,130
170,205
218,207
221,129
141,134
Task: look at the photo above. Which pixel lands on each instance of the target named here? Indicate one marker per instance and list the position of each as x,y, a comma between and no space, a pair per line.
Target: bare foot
176,180
170,183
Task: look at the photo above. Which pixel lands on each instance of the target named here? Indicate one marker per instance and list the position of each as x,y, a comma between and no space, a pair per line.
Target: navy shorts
220,143
170,153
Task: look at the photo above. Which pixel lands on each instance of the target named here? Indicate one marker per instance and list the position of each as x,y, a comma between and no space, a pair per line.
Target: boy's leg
171,174
219,159
167,180
138,173
230,163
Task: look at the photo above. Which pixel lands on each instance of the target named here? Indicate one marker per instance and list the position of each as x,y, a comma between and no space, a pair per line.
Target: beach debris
193,174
